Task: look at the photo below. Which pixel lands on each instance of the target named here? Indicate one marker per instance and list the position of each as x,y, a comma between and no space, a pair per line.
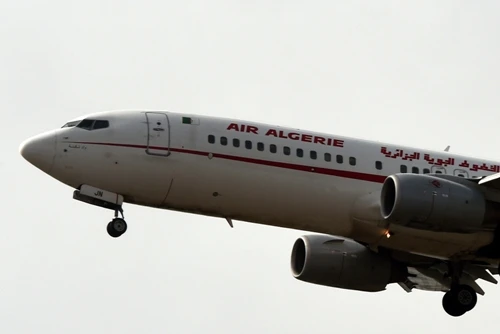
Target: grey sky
422,73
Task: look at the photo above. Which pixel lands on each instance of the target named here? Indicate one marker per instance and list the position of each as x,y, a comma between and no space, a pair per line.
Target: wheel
450,305
466,297
459,300
117,227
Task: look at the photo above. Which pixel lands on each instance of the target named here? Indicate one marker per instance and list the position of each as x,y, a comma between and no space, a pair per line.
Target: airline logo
436,183
287,135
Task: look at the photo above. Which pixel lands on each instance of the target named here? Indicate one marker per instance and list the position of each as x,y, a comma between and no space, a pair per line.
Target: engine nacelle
433,203
343,263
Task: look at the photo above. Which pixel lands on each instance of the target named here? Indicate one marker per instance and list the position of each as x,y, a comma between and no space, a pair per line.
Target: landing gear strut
461,298
117,226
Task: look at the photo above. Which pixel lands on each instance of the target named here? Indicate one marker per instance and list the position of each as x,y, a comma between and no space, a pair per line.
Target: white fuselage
168,160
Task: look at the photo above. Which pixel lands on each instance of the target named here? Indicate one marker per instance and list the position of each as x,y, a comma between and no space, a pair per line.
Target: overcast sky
420,73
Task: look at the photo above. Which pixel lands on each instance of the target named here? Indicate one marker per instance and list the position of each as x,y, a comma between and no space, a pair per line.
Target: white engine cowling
434,203
343,263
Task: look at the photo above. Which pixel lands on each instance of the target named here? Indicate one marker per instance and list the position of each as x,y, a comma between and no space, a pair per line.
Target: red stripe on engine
285,165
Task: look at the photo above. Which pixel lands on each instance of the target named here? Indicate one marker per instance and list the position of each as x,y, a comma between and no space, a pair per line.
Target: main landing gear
461,298
117,226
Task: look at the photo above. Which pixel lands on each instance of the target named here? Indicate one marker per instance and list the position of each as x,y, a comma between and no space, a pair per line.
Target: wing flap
434,278
478,272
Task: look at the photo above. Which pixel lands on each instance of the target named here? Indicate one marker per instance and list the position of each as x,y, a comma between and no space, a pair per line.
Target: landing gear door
158,135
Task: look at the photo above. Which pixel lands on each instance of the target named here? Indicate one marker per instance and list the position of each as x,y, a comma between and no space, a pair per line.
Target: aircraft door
158,134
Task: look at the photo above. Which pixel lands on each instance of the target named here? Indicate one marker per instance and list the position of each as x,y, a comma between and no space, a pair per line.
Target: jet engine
434,203
343,263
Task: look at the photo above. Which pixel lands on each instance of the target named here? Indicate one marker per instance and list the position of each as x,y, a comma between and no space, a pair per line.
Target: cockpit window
90,124
70,124
100,125
86,124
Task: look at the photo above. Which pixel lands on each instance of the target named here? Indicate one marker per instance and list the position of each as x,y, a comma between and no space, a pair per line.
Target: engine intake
430,202
343,263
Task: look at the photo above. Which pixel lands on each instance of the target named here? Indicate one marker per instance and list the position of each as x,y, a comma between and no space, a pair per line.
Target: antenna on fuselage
447,149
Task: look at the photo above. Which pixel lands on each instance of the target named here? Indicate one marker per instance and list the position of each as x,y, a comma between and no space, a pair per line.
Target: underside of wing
436,278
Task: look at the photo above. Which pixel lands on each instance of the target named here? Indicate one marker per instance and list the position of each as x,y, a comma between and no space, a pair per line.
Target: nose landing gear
117,226
104,199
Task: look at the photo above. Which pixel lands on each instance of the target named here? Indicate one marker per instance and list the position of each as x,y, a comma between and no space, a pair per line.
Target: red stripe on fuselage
310,169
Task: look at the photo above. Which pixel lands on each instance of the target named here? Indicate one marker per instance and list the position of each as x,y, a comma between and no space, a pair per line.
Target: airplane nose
40,150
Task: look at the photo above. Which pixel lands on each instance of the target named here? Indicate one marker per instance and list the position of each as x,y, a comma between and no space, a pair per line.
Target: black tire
451,306
465,296
119,225
116,227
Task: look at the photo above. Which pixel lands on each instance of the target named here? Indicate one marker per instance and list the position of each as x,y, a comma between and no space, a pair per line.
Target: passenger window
211,139
427,171
300,152
340,159
415,170
223,141
461,175
248,144
99,124
86,124
404,169
439,172
352,161
260,146
236,142
378,165
313,155
328,157
286,150
273,148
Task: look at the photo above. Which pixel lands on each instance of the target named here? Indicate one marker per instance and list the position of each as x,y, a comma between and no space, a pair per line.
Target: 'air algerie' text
287,135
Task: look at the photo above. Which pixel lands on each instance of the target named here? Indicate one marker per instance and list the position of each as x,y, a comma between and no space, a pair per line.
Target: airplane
376,213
